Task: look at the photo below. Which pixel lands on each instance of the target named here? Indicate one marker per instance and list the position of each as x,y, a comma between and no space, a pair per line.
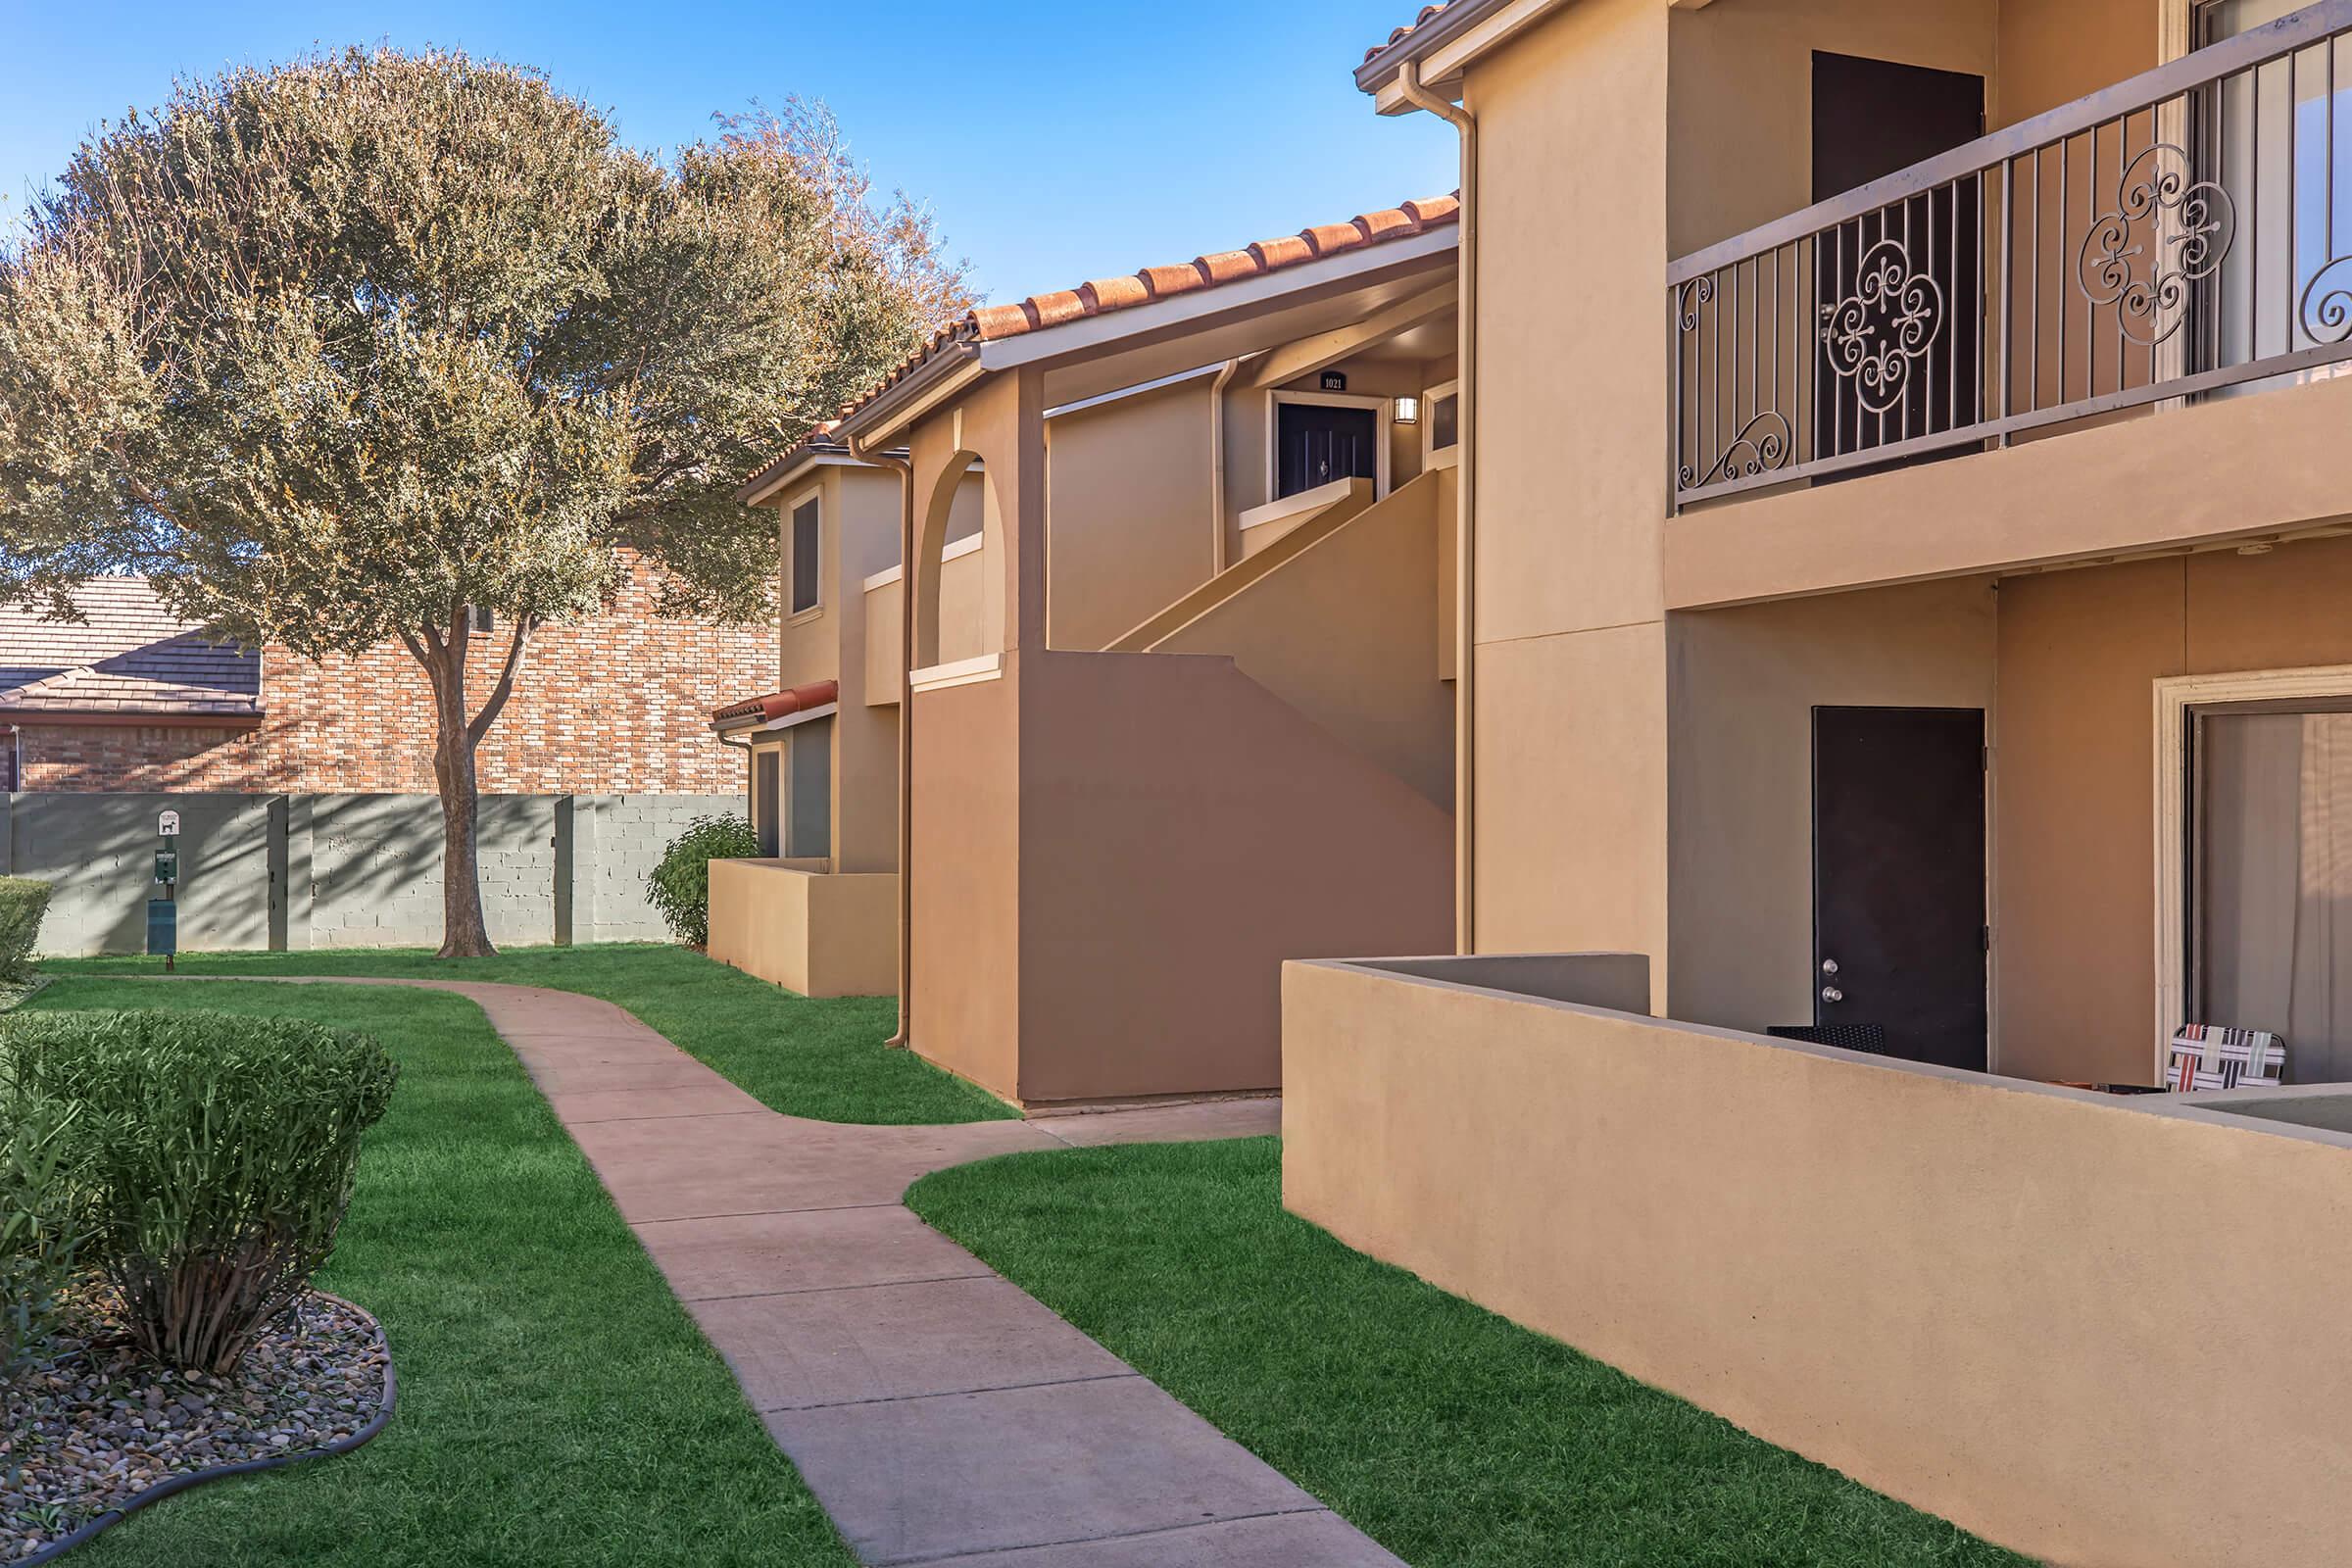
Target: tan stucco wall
2056,51
2073,773
2030,1311
1742,144
1745,685
966,883
1182,832
1347,632
2220,470
1132,523
1571,679
817,934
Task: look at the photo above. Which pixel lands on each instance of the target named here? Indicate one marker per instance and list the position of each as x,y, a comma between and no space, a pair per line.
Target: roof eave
1448,42
132,718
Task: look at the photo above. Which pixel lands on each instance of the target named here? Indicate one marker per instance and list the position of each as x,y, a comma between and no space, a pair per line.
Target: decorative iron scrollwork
2327,312
2164,233
1762,446
1875,334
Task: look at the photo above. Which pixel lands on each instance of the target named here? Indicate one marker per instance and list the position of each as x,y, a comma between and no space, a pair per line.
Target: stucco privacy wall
2032,1311
364,870
794,924
1183,831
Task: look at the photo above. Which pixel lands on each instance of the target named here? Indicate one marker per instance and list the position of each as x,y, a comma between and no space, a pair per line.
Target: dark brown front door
1897,290
1316,443
1899,877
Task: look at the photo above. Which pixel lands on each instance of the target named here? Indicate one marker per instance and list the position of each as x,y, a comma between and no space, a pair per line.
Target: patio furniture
2207,1056
1868,1037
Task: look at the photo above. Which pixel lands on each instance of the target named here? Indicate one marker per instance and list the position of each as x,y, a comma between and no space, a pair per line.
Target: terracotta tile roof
990,324
131,655
777,705
1429,14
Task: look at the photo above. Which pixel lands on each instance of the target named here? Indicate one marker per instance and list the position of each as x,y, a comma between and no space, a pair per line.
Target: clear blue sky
1110,135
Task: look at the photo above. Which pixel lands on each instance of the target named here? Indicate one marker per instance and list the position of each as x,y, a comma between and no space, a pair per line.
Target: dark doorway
767,809
1872,118
1316,443
1899,877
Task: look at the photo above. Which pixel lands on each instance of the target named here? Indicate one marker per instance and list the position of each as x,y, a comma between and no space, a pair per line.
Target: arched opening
960,580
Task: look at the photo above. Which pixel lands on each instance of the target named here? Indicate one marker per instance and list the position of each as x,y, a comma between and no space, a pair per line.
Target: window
479,620
2271,907
808,832
766,813
805,565
1441,429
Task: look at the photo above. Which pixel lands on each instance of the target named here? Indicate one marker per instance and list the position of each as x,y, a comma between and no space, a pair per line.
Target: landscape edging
173,1484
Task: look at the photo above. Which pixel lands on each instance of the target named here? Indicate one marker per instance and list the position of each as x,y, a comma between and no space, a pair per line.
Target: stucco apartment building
1172,663
133,699
1903,605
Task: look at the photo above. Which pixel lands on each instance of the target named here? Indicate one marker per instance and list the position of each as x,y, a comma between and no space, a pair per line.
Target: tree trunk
464,932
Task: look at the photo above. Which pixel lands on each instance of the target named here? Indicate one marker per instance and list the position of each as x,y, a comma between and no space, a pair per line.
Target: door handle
1829,966
1832,994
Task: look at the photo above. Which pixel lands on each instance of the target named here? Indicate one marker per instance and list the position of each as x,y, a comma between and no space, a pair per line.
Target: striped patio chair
2208,1056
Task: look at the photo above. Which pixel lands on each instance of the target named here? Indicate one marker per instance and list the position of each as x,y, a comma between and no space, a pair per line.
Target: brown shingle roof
989,324
131,655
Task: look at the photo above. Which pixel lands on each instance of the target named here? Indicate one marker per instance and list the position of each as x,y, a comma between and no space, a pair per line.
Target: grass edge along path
818,1057
556,1403
1450,1434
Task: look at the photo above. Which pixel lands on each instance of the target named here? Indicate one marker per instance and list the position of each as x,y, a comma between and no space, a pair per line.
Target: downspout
905,471
1465,534
1216,466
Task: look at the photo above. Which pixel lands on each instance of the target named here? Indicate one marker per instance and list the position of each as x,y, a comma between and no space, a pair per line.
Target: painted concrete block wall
357,870
97,854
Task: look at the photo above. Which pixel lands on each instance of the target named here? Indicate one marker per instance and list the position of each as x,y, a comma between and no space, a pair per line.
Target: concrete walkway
939,1413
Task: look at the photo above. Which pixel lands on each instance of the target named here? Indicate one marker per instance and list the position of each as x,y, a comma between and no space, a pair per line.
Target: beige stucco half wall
2105,1332
794,925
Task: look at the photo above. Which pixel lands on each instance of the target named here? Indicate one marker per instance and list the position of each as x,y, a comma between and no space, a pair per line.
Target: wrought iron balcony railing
2174,236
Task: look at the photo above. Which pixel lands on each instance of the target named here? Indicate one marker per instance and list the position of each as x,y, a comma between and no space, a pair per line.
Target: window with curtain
2272,908
805,563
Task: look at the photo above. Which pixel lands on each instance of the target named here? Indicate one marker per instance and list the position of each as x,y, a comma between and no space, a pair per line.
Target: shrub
680,886
22,902
217,1154
40,1215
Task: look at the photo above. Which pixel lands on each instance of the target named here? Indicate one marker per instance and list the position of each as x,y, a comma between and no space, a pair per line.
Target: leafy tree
336,351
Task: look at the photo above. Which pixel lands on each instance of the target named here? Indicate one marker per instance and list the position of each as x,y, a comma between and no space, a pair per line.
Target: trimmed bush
680,886
217,1154
40,1215
23,900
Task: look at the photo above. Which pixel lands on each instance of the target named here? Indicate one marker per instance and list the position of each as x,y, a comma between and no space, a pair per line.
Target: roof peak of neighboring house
1037,312
128,660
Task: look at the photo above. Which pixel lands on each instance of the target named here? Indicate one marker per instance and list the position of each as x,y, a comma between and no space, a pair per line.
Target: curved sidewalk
941,1414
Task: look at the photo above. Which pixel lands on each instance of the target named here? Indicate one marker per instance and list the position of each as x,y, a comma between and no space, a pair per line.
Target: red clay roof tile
1398,35
990,324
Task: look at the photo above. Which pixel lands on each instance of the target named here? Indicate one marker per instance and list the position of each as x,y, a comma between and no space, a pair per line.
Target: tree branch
504,688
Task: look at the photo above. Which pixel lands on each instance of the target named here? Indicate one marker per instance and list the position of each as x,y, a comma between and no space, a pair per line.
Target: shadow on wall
305,872
97,854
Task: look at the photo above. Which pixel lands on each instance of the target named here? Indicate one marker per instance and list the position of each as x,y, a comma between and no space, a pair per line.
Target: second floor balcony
2183,236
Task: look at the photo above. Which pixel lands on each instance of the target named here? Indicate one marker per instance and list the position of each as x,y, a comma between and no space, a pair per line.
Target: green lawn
556,1404
1451,1435
823,1059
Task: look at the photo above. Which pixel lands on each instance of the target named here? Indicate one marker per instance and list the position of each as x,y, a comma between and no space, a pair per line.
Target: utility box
162,928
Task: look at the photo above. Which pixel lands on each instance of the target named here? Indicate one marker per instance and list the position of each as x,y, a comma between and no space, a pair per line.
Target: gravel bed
93,1427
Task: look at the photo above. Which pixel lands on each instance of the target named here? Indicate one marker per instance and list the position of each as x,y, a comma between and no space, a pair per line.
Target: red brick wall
617,704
